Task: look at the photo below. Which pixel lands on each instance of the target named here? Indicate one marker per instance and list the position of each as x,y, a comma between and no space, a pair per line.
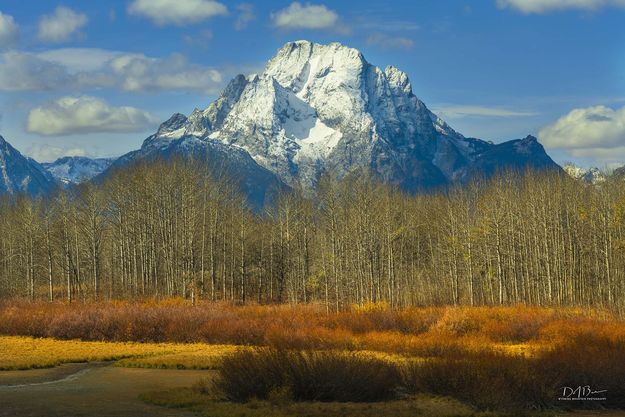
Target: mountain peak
20,174
175,122
529,145
309,47
298,63
318,108
398,79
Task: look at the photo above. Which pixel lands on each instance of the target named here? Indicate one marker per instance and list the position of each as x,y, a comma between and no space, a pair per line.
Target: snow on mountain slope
77,169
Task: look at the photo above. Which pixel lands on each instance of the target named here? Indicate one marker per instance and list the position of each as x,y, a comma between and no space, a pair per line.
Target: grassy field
20,352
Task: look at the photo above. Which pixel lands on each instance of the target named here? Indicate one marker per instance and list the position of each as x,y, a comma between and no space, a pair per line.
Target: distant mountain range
314,109
591,175
594,175
77,169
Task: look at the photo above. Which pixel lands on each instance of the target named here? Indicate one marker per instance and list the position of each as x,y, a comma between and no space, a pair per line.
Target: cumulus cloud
597,132
176,12
74,115
140,73
545,6
9,31
307,16
79,59
458,111
98,68
246,15
386,41
61,25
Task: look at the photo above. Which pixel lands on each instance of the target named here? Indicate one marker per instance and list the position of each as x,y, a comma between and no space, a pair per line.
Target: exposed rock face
19,174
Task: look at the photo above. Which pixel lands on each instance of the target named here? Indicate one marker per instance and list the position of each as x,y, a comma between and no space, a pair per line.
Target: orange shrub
433,331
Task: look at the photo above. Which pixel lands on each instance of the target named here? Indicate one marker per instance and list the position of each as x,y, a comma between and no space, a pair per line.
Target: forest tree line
170,229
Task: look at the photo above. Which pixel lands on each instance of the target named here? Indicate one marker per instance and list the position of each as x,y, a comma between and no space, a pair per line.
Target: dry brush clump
492,380
306,376
589,359
487,380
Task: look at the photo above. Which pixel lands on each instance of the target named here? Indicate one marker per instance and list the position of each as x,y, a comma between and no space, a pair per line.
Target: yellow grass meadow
18,352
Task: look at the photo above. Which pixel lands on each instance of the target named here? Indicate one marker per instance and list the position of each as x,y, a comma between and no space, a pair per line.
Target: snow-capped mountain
318,108
592,175
77,169
20,174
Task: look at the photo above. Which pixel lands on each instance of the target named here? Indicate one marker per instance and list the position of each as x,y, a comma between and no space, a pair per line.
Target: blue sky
96,78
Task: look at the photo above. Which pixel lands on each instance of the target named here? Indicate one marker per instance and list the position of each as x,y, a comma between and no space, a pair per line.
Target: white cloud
308,16
81,68
79,59
458,111
246,15
74,115
595,132
9,31
61,25
140,73
545,6
386,41
176,12
49,153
